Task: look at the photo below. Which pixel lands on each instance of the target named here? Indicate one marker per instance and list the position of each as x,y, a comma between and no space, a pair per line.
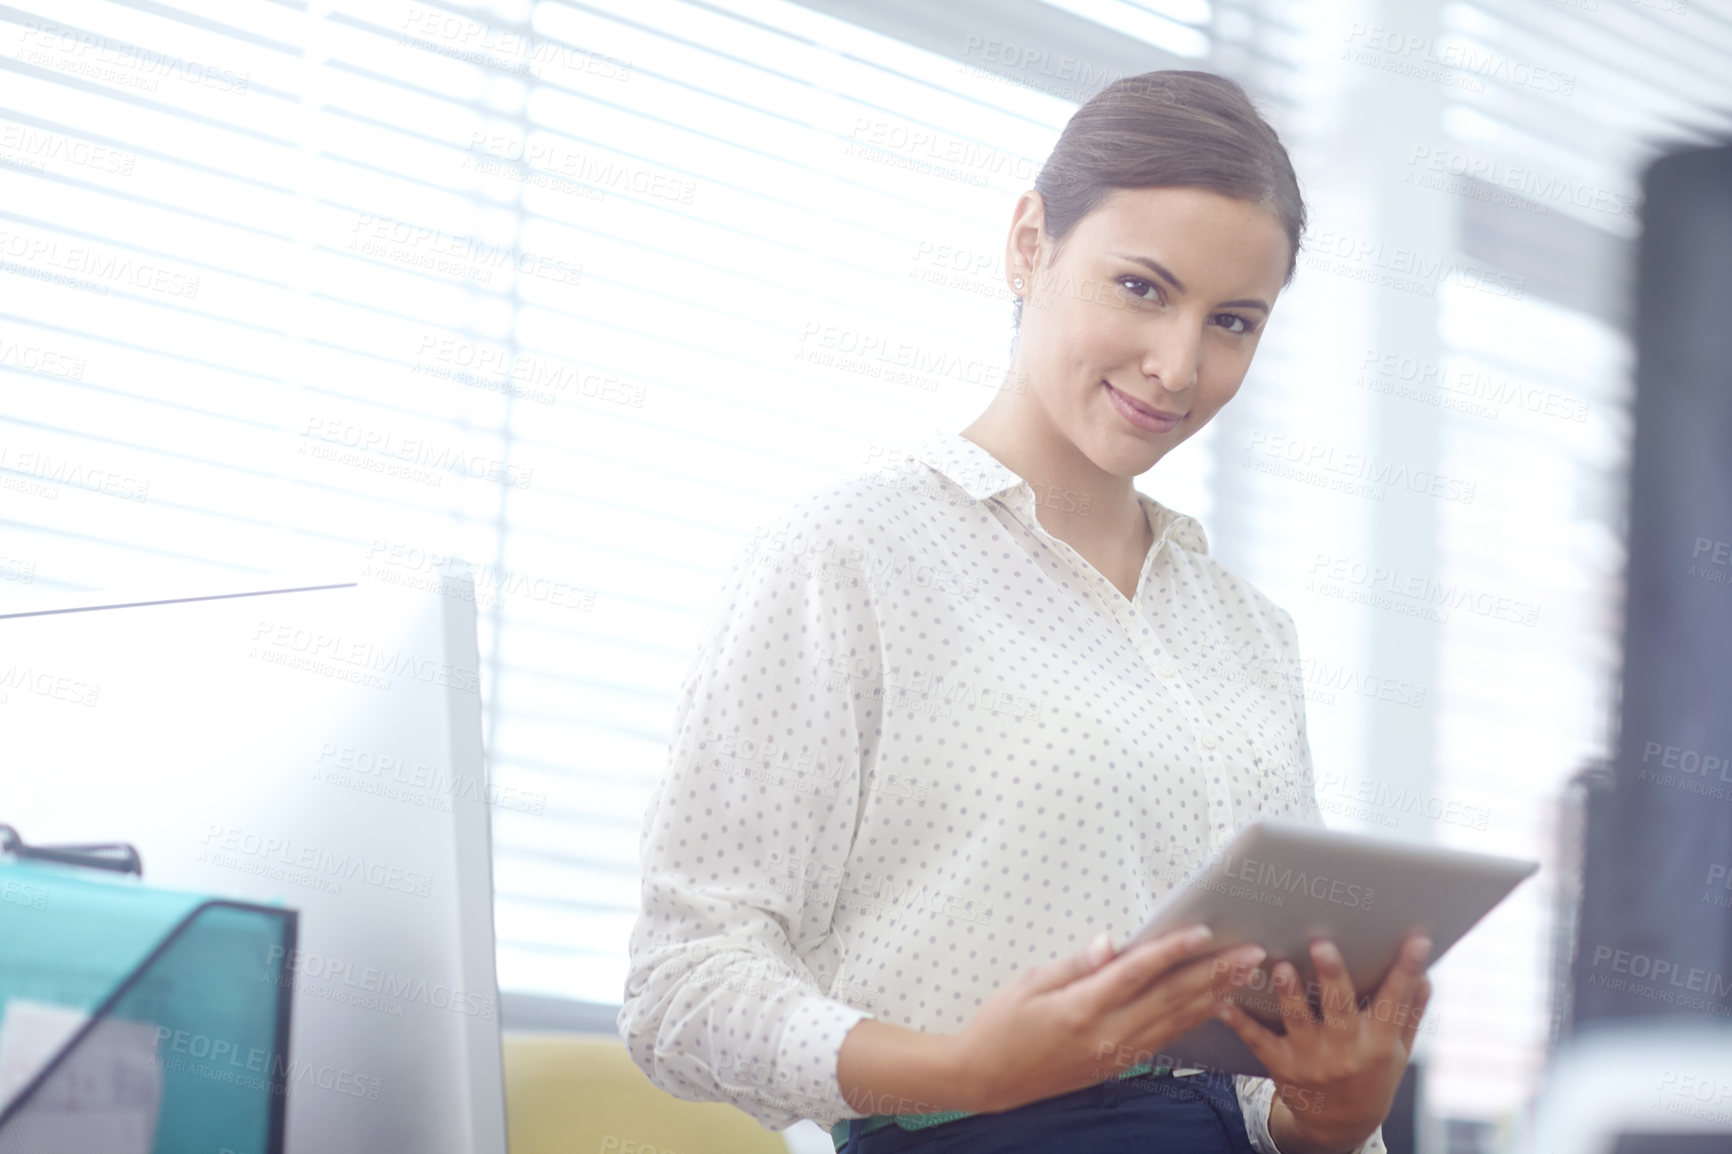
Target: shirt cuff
1257,1098
807,1054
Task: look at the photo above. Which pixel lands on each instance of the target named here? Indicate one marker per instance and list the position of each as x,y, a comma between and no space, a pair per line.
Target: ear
1022,247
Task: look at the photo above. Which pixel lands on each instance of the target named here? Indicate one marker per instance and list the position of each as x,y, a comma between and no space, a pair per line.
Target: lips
1141,415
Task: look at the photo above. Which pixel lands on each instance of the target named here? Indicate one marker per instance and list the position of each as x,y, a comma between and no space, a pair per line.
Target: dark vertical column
1656,927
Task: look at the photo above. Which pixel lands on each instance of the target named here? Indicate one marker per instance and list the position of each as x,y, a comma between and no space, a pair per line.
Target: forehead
1214,237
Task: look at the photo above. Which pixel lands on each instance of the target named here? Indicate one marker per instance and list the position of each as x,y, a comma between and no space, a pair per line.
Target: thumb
1063,972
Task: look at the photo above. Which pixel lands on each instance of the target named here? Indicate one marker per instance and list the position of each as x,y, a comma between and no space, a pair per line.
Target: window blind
1473,170
574,295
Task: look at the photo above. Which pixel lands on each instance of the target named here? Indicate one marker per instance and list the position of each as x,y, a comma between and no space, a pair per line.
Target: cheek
1100,340
1218,385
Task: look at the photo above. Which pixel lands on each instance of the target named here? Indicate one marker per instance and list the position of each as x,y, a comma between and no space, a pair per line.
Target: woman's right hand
1086,1018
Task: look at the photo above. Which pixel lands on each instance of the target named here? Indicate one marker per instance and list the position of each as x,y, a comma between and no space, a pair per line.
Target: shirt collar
983,476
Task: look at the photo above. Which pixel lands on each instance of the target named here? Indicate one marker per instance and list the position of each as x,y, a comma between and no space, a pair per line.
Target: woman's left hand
1335,1077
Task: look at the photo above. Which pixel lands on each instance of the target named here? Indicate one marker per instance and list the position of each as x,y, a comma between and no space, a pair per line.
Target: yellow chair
582,1094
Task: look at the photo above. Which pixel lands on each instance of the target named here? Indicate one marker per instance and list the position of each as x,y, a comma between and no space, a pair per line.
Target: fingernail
1101,948
1422,951
1253,956
1198,935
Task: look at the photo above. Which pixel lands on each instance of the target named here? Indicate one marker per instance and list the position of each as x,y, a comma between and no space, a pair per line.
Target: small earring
1018,282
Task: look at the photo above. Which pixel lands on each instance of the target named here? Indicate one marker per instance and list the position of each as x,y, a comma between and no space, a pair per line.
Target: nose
1172,354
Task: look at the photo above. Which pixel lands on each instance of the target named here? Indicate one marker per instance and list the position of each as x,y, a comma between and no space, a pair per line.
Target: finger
1087,960
1203,977
1270,1048
1228,971
1392,1005
1117,982
1237,970
1187,996
1291,1003
1153,1030
1339,1002
1415,1011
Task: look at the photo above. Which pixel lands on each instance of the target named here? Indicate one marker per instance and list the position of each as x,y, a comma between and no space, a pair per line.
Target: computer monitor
314,744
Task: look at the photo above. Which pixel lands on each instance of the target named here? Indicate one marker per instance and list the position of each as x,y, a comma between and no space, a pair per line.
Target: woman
956,720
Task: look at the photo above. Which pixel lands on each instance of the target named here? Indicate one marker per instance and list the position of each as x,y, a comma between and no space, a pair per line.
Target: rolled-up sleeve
746,837
1257,1095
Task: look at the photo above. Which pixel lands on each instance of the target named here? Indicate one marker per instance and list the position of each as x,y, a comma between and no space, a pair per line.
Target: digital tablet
1280,884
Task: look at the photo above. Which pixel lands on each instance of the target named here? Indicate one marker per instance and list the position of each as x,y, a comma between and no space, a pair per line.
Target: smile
1141,415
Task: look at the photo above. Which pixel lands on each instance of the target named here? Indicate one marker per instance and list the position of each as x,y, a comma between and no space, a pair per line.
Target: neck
1077,501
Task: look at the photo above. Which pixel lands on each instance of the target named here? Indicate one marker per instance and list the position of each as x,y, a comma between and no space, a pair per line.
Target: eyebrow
1166,273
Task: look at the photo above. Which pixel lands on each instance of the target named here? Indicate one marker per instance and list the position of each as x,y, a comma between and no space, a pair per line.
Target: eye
1245,326
1140,288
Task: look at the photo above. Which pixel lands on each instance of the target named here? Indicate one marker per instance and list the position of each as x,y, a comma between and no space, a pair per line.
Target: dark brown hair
1169,129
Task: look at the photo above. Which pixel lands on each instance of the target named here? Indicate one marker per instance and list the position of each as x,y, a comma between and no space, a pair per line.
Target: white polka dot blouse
924,745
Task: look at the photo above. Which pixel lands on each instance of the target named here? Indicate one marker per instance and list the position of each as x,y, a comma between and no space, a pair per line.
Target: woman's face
1143,324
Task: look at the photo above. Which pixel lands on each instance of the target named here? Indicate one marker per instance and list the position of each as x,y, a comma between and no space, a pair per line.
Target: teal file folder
165,1016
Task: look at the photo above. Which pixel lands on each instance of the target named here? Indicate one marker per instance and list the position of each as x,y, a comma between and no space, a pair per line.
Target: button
1208,742
1166,669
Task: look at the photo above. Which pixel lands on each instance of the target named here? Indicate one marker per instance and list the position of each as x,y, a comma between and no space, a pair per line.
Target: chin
1124,454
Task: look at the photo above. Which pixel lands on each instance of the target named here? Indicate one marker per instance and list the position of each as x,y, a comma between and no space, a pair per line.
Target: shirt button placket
1214,773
